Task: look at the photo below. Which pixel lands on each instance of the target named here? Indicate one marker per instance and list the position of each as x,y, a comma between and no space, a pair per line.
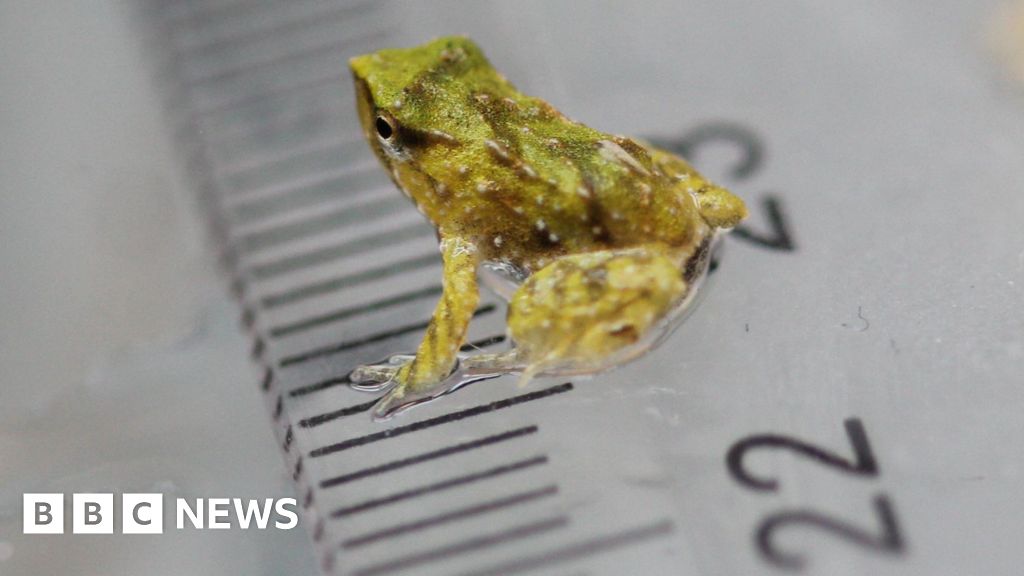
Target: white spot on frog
498,149
440,135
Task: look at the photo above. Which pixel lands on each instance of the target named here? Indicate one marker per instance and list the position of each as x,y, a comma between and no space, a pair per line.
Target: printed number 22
863,464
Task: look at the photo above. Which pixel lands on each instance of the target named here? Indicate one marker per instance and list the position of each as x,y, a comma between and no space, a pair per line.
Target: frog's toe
398,399
372,378
405,393
377,377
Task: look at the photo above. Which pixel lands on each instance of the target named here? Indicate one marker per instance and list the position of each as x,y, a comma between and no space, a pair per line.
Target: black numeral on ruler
751,161
886,538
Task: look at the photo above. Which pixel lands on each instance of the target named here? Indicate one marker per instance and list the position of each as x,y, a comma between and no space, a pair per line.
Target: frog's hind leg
586,313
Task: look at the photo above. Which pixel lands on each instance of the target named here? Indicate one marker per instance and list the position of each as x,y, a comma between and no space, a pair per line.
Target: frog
597,241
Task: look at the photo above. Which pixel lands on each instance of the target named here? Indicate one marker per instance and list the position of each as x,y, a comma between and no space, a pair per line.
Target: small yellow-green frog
604,238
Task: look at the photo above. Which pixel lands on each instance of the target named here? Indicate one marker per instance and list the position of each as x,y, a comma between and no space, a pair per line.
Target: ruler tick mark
332,185
428,456
267,131
346,313
439,420
451,516
577,550
256,97
448,484
311,52
272,160
349,281
352,247
378,337
220,44
313,421
289,437
254,201
331,382
280,234
469,545
268,378
190,15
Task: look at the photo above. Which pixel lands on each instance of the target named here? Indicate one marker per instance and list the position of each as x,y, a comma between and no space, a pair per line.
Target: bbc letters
95,513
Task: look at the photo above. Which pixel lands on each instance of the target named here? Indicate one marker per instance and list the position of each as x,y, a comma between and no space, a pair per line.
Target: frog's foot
378,377
404,393
394,377
494,365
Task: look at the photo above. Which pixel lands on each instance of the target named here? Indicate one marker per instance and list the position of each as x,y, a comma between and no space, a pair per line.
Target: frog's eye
385,127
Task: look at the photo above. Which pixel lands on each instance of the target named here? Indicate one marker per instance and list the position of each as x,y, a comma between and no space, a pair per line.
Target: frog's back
552,185
511,172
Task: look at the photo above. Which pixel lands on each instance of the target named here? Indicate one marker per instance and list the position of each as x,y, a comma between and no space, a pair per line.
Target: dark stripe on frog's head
414,138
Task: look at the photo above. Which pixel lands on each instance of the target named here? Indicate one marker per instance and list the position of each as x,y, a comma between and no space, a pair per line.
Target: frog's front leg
437,353
585,313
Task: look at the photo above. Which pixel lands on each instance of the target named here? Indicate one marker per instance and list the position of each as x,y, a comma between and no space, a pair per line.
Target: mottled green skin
606,235
485,161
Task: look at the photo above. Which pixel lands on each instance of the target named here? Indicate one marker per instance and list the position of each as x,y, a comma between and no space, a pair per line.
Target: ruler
805,419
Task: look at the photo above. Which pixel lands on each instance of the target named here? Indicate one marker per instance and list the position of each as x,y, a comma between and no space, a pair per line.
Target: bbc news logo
144,513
